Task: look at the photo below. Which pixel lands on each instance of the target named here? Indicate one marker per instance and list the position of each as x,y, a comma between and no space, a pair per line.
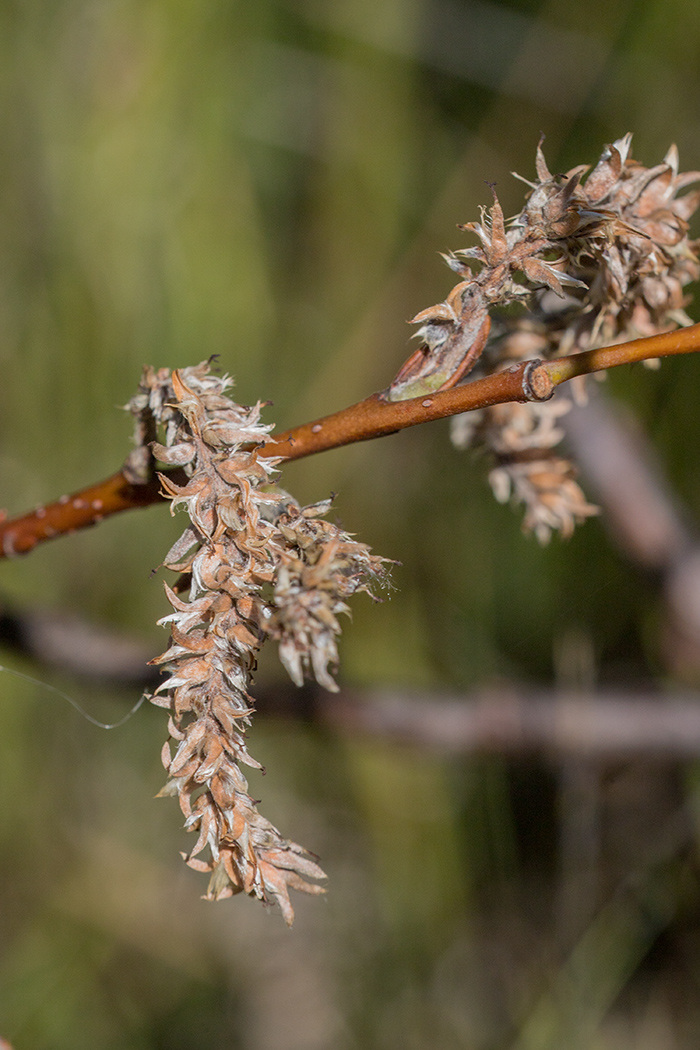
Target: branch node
537,382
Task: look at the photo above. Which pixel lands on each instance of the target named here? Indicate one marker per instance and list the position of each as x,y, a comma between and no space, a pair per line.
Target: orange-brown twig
87,507
372,418
681,341
376,417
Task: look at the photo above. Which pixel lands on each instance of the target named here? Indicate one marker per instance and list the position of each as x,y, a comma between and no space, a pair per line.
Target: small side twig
666,344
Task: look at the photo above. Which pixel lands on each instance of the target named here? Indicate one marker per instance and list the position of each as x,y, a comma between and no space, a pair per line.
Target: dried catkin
259,566
592,259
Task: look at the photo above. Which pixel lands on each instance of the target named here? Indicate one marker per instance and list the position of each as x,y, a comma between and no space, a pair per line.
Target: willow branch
372,418
376,416
87,507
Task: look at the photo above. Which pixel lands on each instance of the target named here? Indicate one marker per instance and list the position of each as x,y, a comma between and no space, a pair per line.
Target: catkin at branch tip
592,259
259,566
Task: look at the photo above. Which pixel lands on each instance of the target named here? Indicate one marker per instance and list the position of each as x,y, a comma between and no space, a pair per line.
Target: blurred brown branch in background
645,518
519,722
505,719
625,476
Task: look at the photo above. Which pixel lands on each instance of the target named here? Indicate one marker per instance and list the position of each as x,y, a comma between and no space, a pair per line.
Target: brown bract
258,566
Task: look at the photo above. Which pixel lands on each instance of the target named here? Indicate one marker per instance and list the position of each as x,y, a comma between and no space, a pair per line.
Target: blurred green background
272,182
